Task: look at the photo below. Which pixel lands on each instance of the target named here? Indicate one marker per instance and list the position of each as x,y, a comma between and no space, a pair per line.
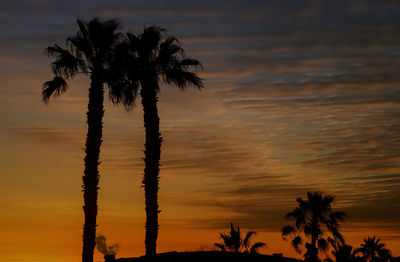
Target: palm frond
81,46
287,230
247,238
303,204
170,40
323,244
182,79
103,34
256,246
296,242
220,246
333,243
83,27
54,51
187,62
95,40
384,253
337,216
134,41
226,239
298,215
168,51
308,230
124,92
65,64
150,40
169,48
338,236
54,88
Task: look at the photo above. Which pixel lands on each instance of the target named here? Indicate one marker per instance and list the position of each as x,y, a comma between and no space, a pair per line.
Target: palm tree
148,59
88,52
373,250
235,243
315,219
343,253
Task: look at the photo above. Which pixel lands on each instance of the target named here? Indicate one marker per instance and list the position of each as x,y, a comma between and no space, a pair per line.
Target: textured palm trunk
312,250
90,178
152,154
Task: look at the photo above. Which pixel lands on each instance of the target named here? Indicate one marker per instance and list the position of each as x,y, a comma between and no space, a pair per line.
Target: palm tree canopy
374,250
236,243
314,218
342,253
88,50
232,241
151,56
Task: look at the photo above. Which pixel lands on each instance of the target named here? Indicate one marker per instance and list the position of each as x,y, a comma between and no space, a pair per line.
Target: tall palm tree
373,250
234,242
87,52
315,219
148,59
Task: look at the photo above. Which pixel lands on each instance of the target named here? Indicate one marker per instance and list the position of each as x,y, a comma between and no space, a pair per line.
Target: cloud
49,135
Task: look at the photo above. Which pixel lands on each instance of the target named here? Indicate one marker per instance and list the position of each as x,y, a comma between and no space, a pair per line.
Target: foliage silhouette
373,250
314,219
146,60
235,243
343,253
87,52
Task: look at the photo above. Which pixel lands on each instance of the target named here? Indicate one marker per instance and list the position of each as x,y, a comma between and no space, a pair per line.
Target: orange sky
298,97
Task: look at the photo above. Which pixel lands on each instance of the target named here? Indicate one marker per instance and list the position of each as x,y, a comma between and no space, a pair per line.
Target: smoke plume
103,248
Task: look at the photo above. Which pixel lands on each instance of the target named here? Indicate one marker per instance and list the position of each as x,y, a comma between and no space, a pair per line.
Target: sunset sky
299,96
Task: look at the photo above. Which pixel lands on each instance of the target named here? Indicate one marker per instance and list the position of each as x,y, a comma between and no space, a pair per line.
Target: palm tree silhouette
147,59
235,243
343,253
88,52
373,250
315,219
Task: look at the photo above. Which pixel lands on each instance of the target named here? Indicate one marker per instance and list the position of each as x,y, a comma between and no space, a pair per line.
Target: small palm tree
373,250
314,219
88,52
146,60
235,243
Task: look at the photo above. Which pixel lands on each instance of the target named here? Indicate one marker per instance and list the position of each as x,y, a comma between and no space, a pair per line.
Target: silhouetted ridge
209,256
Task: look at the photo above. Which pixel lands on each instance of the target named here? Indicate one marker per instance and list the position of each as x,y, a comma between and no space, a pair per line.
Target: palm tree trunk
152,154
90,178
313,250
